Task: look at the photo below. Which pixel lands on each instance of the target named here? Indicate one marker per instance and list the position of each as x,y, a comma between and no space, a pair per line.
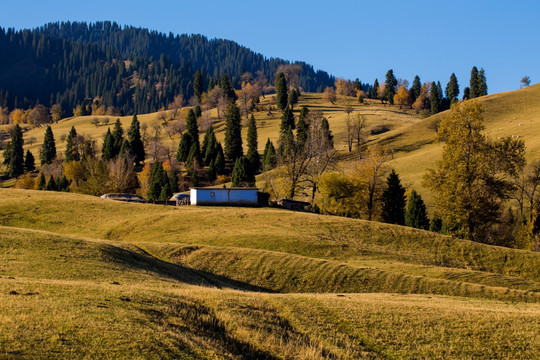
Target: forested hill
131,69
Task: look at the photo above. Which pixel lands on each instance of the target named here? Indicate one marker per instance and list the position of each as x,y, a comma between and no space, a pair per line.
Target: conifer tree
63,184
108,146
416,214
482,83
51,185
416,88
211,173
281,91
124,149
375,91
233,132
72,152
292,98
220,159
118,138
302,128
269,156
48,150
29,162
159,187
208,148
435,99
193,130
193,155
242,175
474,87
390,87
42,182
14,153
173,181
228,88
136,146
325,127
452,89
466,93
252,143
184,147
393,200
198,85
287,120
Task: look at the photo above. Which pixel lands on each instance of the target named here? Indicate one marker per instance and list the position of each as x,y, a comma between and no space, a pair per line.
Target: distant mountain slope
131,69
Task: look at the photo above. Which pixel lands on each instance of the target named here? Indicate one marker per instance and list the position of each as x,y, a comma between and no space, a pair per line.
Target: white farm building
224,196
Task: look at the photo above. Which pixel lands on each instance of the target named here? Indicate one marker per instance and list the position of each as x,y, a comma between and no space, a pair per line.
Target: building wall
224,197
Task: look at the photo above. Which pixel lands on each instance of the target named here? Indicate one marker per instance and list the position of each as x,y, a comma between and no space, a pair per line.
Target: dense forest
131,70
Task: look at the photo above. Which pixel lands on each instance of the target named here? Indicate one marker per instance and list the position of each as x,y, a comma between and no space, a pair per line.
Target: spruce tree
208,147
193,155
51,185
281,91
242,175
72,152
198,85
211,173
375,91
29,162
390,87
416,88
48,150
393,200
416,214
269,156
325,127
233,132
466,93
252,143
193,130
159,187
473,84
482,83
107,149
173,181
220,160
42,182
452,89
118,138
435,99
228,88
63,184
302,128
14,153
184,147
292,98
287,120
136,146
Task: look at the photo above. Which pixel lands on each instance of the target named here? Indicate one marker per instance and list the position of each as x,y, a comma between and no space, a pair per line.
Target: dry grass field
82,277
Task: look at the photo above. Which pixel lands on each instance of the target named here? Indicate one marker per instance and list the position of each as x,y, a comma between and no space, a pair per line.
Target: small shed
224,196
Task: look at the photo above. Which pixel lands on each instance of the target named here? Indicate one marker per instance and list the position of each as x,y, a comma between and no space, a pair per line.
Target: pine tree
193,155
292,98
252,143
416,214
435,99
287,120
466,93
42,182
107,149
390,87
242,175
416,88
198,85
136,146
375,91
118,138
184,147
159,187
193,130
393,200
473,84
233,132
220,160
51,185
48,150
281,91
197,111
72,152
208,148
63,184
14,153
29,162
269,156
452,89
124,148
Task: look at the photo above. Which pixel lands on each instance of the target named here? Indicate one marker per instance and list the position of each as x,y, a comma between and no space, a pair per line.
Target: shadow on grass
141,260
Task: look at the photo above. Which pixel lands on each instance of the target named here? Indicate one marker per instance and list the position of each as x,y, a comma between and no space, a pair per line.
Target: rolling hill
86,277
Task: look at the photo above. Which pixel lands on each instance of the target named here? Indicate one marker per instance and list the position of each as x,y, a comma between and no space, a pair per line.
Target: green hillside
86,277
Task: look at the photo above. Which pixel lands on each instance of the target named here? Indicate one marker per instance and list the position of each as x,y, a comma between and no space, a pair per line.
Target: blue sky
352,39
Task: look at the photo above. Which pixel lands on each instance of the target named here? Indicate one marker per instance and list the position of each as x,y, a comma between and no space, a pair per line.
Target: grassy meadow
86,277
